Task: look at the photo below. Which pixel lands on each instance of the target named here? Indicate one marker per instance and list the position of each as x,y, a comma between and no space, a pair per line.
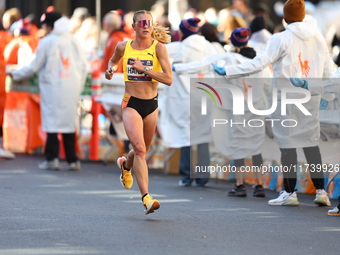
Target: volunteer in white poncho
237,141
299,49
259,34
61,67
181,123
317,87
210,33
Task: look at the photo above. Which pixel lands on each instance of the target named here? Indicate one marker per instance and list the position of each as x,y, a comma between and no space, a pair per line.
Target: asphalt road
88,212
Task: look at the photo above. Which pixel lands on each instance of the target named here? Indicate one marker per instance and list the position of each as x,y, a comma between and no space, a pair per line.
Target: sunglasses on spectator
143,23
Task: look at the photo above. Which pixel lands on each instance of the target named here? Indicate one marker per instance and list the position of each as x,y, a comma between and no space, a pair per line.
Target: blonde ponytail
159,33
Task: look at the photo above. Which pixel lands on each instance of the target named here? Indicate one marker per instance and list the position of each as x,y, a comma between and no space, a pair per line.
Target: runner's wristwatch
146,69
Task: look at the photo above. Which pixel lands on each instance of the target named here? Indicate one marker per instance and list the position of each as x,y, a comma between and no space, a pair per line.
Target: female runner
145,63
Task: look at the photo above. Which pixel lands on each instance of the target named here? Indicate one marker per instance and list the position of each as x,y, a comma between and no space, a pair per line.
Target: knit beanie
257,24
240,36
294,10
189,26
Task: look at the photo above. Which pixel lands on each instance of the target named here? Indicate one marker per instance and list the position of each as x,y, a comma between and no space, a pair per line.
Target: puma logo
150,54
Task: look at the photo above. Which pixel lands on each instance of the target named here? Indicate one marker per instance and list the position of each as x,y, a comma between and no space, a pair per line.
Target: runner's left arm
164,77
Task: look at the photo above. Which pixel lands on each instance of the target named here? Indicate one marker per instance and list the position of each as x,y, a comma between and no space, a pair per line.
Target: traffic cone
95,111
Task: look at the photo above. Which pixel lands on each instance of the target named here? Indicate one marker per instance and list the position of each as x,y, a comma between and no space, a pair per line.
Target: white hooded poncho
61,67
300,49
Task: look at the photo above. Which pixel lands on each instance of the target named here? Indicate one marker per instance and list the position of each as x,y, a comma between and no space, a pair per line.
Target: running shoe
50,165
334,212
259,191
238,191
183,184
6,154
126,178
74,166
285,198
322,198
150,204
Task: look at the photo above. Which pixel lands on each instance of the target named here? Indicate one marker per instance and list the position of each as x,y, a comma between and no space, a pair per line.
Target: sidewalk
88,212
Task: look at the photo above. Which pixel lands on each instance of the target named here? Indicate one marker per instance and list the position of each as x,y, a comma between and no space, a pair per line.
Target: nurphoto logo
240,100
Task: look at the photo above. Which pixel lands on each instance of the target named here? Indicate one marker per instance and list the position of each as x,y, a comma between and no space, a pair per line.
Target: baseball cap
49,18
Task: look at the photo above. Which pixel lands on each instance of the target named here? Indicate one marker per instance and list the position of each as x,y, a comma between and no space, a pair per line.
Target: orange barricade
36,136
22,123
15,127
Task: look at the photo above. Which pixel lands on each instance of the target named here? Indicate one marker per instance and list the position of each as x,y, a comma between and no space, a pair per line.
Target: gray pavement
88,212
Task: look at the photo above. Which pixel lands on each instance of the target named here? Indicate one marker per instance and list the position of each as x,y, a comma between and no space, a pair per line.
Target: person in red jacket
5,38
112,24
22,33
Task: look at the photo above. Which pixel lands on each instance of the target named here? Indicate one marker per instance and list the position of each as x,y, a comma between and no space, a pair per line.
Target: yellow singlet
148,58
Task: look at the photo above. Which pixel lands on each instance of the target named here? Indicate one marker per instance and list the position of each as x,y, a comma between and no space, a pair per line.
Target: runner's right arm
113,63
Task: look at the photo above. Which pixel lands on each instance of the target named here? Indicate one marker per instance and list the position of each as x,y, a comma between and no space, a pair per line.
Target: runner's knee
140,150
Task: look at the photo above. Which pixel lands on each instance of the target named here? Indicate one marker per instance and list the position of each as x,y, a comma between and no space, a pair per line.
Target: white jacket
180,121
328,86
300,49
61,67
259,39
218,48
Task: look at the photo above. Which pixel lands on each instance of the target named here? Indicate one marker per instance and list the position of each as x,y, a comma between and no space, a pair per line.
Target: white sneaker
6,154
334,212
285,198
182,184
74,166
322,198
50,165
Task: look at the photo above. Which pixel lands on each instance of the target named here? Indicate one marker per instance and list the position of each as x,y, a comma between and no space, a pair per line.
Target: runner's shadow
145,218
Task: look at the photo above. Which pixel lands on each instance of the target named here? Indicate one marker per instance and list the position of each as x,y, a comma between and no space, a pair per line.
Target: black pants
257,161
289,161
52,147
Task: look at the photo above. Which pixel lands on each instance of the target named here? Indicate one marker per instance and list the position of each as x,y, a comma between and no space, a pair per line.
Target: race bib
134,75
